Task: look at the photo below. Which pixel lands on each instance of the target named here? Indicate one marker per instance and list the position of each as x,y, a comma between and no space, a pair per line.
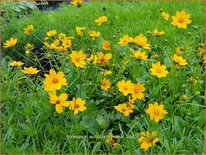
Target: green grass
30,123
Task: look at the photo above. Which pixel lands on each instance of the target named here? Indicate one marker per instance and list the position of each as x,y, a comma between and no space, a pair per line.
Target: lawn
123,89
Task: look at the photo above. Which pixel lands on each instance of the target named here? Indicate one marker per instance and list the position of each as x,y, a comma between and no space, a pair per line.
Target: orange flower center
159,70
55,80
125,88
136,91
181,20
77,59
76,106
156,112
104,84
139,57
57,102
123,109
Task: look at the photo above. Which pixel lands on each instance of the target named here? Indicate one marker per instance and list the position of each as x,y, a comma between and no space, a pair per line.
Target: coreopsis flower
111,141
103,59
77,105
61,36
165,15
131,102
94,34
16,63
56,42
141,41
77,3
148,139
158,33
159,70
106,45
125,40
181,20
29,29
66,42
101,20
193,80
105,84
51,46
78,58
92,58
10,43
125,87
124,109
54,81
140,55
51,33
179,60
106,72
62,49
59,101
156,112
137,91
29,46
179,50
80,30
30,71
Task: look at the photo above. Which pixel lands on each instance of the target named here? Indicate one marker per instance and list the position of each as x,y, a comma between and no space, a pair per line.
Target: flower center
77,59
181,20
159,70
125,88
139,57
76,106
156,112
57,102
123,109
136,91
55,80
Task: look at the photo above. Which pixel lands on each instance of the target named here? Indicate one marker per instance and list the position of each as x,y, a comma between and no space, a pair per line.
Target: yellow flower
77,3
105,84
179,60
111,141
181,19
179,51
61,36
124,109
77,105
28,29
92,58
125,40
51,33
137,91
106,45
141,41
103,59
125,87
131,102
59,101
94,34
51,47
165,15
147,140
101,20
158,33
54,81
66,42
16,63
193,80
159,70
56,42
78,58
106,72
79,30
27,52
10,43
29,46
156,112
140,55
30,71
